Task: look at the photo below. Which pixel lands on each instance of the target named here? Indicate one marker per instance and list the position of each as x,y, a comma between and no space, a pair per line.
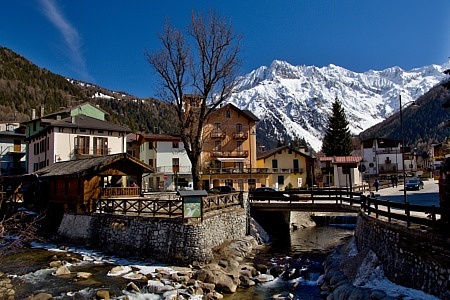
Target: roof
271,152
248,114
88,165
342,159
160,137
83,122
382,143
69,109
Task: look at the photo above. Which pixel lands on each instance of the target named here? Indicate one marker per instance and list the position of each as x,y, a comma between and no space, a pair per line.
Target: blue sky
103,42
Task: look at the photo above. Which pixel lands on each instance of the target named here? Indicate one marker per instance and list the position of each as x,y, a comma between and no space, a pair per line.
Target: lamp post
403,150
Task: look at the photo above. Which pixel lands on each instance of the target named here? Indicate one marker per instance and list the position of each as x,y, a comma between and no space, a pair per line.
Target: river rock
83,275
377,295
63,270
133,287
102,294
264,278
226,283
283,296
55,264
155,286
41,296
246,281
119,271
213,296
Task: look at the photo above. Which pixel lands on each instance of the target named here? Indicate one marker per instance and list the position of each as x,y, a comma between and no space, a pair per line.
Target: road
429,195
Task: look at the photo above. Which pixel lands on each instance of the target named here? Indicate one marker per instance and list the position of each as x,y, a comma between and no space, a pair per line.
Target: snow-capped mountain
295,101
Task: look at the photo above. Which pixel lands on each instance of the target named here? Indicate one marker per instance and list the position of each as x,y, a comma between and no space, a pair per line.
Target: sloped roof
83,122
342,159
88,165
245,112
69,109
382,143
160,137
271,152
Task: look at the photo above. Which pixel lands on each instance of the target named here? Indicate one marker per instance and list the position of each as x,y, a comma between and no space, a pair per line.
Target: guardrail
336,194
409,213
168,208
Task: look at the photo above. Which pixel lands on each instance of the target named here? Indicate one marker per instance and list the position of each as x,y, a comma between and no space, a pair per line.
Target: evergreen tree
337,140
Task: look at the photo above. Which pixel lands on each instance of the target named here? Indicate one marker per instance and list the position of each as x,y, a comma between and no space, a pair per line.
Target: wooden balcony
240,135
216,134
243,153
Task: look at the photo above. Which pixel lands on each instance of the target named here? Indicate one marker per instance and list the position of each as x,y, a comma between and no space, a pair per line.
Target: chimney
33,114
73,119
42,111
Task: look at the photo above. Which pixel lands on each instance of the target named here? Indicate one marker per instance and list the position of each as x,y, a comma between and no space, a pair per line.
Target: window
239,147
150,145
238,128
295,165
175,165
150,162
217,146
274,164
281,180
217,126
100,146
82,144
228,114
175,145
229,182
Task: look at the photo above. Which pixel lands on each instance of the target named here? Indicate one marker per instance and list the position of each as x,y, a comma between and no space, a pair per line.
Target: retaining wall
410,257
163,239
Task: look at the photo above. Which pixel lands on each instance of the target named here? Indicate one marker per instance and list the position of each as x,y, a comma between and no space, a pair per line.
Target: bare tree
197,74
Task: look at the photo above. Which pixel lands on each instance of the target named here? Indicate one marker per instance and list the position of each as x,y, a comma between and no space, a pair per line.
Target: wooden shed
72,186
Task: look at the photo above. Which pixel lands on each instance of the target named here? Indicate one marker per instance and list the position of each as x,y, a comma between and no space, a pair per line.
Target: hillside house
286,167
229,149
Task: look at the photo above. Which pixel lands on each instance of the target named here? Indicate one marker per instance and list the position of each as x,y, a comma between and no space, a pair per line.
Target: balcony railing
216,134
80,151
243,153
252,170
240,135
388,168
172,169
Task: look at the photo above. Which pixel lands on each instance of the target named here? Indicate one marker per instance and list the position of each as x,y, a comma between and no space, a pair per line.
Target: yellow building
286,167
229,149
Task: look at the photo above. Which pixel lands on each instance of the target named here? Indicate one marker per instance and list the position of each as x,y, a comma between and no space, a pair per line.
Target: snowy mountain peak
295,101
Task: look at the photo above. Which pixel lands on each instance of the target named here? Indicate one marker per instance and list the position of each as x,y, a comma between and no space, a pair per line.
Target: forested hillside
24,86
425,123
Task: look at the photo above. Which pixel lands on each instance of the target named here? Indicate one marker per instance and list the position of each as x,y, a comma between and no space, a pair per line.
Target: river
306,249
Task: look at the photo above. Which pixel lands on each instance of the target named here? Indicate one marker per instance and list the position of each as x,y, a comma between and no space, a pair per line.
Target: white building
167,155
341,171
73,137
383,157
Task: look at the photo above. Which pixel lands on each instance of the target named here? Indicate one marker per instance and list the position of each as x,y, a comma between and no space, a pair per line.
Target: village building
73,186
12,149
167,155
72,133
229,149
341,171
286,167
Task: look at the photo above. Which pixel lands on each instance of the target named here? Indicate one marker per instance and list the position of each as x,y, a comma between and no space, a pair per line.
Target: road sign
362,168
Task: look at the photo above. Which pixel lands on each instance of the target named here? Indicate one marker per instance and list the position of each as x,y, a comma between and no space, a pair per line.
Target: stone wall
163,239
410,257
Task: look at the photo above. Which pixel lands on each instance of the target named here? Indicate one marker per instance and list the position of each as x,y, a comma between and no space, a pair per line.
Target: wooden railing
109,192
162,208
409,213
337,195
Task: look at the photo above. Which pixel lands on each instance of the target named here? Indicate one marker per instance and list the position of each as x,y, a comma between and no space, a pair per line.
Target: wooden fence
169,208
409,213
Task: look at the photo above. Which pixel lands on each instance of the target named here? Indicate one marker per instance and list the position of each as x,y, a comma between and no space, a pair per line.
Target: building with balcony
229,149
12,149
166,154
384,157
70,134
286,167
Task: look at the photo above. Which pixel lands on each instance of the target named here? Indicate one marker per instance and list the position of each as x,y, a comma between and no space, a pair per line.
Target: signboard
166,176
299,182
362,168
192,207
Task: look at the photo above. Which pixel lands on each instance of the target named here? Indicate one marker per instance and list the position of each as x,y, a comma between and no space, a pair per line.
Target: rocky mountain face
295,101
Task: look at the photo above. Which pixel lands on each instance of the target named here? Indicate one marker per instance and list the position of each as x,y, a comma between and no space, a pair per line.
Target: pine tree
337,140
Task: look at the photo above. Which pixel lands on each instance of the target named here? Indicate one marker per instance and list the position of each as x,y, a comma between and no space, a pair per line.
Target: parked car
268,192
414,184
223,189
